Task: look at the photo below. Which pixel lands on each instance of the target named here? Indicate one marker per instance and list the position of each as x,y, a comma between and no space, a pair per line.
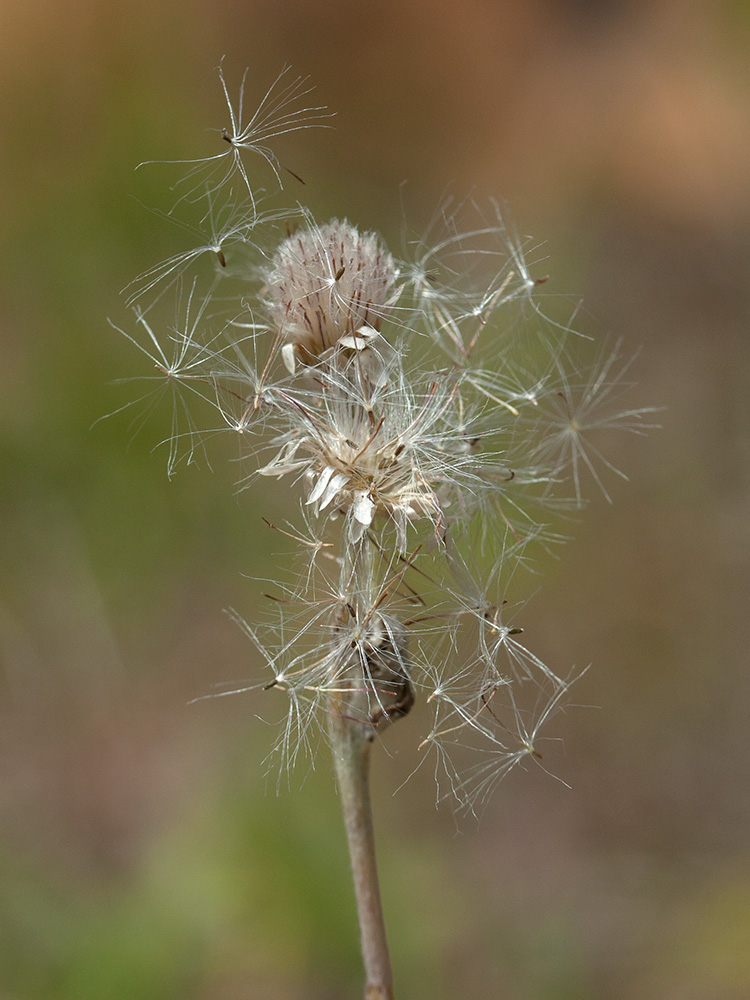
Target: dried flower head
433,436
327,285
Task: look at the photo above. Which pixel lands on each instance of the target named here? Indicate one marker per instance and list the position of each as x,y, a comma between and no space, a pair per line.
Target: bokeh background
141,854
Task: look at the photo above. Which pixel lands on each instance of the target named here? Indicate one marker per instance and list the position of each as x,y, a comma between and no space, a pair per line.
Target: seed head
426,432
328,285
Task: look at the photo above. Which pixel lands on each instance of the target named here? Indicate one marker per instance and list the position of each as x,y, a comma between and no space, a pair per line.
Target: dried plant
435,426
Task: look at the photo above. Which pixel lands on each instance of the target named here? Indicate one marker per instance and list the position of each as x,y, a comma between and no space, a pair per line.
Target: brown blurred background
141,855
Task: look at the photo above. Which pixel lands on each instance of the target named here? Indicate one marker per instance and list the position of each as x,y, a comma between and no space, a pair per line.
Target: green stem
351,754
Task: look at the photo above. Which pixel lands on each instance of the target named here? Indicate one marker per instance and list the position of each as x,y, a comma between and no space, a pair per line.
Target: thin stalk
351,754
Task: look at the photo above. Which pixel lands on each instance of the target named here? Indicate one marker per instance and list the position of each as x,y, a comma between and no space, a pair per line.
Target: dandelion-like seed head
327,283
430,434
367,457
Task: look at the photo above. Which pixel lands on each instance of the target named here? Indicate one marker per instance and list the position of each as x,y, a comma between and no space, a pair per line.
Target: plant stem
351,754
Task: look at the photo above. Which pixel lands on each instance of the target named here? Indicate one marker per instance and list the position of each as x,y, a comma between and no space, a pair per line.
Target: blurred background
142,854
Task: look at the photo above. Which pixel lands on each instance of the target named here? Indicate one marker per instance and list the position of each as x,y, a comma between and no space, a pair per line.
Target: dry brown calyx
379,668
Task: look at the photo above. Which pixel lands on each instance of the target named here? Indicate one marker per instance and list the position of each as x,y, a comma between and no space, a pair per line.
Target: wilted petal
289,357
363,507
319,489
284,462
359,340
332,489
